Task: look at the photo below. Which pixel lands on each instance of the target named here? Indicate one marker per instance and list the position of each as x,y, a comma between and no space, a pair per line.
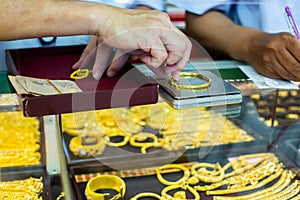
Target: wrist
255,45
103,19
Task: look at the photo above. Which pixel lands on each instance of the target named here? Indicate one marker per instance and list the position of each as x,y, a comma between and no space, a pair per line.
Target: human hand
277,56
149,35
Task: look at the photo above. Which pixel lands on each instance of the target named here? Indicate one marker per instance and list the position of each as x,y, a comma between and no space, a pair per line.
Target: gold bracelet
191,75
146,194
208,176
105,182
164,169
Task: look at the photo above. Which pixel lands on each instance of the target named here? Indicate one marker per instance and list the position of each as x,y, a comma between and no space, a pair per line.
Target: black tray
137,182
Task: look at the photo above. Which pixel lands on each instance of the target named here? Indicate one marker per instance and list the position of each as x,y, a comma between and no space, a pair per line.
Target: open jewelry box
129,87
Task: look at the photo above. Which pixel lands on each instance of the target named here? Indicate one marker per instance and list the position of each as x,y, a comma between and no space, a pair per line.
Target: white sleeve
155,4
201,6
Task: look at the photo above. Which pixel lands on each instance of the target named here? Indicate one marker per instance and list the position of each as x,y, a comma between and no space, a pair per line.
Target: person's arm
34,18
273,55
150,35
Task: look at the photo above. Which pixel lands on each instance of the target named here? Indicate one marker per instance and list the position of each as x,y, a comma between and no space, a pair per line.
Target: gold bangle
165,168
146,194
191,75
105,182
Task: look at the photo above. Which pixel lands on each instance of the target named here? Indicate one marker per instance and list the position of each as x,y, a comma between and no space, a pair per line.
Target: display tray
219,93
25,152
15,175
129,87
127,156
130,156
145,179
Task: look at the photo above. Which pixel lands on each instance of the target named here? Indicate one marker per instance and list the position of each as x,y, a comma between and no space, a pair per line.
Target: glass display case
248,150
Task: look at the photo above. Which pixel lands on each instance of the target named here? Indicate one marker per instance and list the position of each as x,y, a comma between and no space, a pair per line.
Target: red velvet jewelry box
130,87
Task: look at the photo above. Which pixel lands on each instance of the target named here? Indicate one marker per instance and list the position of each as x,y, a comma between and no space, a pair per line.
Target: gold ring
191,75
80,74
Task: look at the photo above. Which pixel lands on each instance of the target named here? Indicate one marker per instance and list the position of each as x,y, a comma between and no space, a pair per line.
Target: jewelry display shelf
129,87
140,180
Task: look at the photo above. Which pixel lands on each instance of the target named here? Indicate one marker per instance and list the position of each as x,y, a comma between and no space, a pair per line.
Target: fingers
88,51
156,53
102,60
280,57
292,59
178,52
119,61
285,61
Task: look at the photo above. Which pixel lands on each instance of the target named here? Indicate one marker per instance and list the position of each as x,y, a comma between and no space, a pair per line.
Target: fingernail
111,73
97,74
176,75
75,66
169,69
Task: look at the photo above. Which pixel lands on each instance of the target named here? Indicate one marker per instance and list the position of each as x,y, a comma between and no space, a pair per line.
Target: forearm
35,18
216,32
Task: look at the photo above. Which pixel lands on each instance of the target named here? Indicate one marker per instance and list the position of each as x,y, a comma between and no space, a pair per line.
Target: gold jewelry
31,188
151,145
246,188
20,140
115,134
172,167
80,74
146,194
179,195
94,148
267,193
105,182
137,140
191,75
207,176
